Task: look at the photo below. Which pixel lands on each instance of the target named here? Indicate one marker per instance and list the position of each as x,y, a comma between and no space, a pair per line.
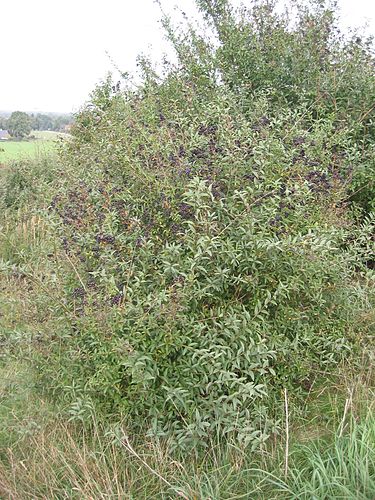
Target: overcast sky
54,52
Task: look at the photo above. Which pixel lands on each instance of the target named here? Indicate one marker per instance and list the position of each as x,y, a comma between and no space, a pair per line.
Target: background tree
54,122
19,124
3,123
42,122
60,121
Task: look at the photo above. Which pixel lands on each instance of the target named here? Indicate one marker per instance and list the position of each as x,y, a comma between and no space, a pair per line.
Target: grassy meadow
43,142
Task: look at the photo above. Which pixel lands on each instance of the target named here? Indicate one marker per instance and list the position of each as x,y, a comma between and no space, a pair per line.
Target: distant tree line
19,124
51,122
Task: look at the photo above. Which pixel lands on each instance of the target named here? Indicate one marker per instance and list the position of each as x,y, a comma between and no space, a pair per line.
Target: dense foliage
19,124
212,231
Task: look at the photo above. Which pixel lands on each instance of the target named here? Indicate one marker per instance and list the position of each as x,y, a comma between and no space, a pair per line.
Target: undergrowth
45,456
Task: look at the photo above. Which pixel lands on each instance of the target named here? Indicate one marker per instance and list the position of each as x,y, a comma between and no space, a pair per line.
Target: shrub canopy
212,225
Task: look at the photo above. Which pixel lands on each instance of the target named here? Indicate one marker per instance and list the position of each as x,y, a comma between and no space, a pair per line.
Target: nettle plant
207,238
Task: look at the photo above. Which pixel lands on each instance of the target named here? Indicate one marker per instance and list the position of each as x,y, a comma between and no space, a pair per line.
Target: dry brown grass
59,461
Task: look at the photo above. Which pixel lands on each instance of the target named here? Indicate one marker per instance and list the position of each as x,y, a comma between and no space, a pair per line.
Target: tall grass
344,468
60,462
43,455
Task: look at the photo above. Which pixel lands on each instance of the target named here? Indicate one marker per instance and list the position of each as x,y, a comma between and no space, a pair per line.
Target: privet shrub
206,328
208,246
303,59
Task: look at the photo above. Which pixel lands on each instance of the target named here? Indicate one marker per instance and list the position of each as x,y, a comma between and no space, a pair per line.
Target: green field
44,142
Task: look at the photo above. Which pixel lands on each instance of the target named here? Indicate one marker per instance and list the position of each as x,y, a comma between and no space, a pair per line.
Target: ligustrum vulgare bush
212,228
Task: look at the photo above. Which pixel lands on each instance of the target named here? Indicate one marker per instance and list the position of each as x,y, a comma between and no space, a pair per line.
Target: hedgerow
213,229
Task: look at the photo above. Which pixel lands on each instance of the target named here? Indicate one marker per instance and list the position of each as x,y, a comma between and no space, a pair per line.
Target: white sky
54,52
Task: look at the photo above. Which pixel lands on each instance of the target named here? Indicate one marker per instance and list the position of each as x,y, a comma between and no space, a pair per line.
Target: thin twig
369,184
76,272
361,118
286,432
348,404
